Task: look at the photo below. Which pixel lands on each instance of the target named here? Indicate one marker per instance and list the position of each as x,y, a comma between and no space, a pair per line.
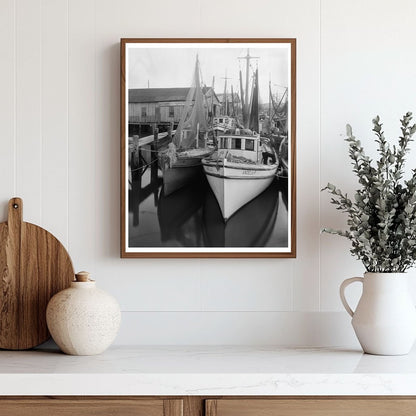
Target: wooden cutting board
34,266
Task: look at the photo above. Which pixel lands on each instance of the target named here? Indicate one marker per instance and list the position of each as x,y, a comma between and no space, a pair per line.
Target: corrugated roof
154,95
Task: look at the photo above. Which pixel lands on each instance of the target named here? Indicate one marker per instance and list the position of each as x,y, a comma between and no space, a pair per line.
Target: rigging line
143,167
150,150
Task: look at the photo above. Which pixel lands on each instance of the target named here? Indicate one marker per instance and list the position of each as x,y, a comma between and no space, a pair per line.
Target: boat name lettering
249,172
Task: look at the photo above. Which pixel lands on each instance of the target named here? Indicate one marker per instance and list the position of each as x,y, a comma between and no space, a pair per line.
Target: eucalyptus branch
382,215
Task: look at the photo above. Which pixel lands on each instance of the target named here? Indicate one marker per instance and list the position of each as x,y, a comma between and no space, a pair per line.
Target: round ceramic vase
83,320
385,318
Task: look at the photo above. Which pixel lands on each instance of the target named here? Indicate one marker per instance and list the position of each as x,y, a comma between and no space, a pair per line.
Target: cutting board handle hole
15,206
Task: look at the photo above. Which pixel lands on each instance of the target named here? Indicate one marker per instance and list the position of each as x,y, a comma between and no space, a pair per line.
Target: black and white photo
208,148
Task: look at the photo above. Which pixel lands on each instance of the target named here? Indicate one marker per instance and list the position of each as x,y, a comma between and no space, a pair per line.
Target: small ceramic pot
385,318
82,319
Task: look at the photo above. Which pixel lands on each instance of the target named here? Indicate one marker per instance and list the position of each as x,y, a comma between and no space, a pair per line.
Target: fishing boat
240,170
243,166
181,161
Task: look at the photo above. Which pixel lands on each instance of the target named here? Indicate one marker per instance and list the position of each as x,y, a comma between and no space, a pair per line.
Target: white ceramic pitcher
385,318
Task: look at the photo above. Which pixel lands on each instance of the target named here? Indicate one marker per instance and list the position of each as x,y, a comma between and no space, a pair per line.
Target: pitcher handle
342,288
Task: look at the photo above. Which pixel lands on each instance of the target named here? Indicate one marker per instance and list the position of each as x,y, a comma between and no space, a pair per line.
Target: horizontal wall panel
237,328
265,285
152,285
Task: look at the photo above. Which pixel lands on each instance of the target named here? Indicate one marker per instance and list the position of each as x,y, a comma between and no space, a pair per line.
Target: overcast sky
173,67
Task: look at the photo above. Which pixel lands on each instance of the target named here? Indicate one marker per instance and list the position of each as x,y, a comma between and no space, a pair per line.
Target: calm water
191,217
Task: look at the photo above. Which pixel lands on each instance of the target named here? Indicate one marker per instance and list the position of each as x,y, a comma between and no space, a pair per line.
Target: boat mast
242,98
232,102
247,58
225,94
270,106
254,104
212,100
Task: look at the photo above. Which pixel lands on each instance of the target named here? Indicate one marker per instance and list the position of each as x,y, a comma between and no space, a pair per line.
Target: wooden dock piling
156,137
136,166
154,148
170,130
140,158
135,160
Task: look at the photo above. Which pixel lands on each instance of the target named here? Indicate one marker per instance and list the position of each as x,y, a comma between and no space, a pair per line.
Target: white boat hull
236,184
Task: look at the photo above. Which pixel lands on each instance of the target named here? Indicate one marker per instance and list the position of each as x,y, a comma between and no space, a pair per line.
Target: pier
140,159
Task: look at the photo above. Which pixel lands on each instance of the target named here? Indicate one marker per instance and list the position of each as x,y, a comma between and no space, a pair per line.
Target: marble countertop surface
226,370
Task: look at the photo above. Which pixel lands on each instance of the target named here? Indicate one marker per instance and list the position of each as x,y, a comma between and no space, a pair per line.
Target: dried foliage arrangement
382,215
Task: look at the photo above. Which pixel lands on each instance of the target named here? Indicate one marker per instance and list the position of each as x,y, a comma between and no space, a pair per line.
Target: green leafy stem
382,215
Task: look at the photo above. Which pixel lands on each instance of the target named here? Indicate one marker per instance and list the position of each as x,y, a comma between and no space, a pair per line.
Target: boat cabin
241,142
245,144
224,122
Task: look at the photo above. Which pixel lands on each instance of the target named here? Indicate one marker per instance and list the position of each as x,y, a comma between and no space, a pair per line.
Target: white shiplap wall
59,118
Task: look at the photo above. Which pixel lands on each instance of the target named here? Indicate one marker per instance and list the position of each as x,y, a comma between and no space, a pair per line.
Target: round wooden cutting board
34,266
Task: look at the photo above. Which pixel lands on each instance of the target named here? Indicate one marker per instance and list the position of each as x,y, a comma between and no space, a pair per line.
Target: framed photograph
208,156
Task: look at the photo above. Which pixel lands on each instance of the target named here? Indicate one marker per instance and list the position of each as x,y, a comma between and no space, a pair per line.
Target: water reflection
191,217
180,215
251,226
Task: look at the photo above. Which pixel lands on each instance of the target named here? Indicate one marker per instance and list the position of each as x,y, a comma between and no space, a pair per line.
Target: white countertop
179,370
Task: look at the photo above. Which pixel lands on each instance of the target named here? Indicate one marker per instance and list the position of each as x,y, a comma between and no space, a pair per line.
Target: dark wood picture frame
179,252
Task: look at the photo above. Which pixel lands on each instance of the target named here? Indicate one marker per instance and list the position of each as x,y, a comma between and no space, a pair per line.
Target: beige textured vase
82,319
